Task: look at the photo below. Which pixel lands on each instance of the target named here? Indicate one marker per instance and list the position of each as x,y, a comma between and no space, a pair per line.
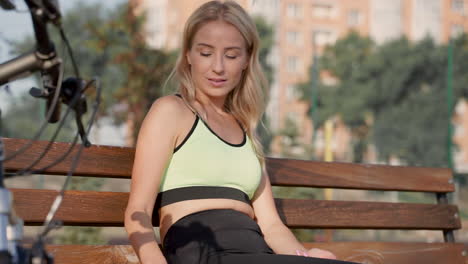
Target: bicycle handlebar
44,58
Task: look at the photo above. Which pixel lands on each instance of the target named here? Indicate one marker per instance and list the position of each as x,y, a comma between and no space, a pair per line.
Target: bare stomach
169,214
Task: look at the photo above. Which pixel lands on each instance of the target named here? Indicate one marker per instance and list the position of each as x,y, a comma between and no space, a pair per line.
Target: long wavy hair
247,101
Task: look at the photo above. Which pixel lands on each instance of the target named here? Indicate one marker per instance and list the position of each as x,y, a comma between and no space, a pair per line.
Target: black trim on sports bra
230,144
212,131
180,96
199,192
188,135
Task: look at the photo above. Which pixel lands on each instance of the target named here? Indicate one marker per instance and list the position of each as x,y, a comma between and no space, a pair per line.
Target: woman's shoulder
169,109
171,105
168,103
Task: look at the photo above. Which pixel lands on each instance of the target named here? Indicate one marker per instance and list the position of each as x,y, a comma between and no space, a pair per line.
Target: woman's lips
217,82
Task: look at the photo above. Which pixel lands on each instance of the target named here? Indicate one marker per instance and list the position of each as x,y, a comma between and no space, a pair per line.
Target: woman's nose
218,64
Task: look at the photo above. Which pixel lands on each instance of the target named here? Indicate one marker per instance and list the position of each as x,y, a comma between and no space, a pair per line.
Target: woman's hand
316,253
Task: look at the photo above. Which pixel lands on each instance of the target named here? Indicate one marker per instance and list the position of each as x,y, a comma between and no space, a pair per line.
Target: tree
410,101
266,34
348,96
391,95
144,69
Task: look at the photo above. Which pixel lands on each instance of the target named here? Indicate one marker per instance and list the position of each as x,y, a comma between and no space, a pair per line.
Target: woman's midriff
171,213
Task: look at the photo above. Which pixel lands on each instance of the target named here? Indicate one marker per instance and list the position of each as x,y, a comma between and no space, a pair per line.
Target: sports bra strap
191,110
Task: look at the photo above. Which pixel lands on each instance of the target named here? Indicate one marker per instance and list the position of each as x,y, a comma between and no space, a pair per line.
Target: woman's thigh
271,259
224,236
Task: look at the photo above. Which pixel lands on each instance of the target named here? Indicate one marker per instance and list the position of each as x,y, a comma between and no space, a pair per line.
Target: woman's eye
231,56
205,54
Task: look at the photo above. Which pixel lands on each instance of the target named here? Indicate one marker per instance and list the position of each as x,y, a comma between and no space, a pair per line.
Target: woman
198,163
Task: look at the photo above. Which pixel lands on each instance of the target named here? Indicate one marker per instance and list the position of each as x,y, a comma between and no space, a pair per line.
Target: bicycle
55,90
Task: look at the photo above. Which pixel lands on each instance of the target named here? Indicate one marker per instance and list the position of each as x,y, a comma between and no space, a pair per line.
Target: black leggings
224,236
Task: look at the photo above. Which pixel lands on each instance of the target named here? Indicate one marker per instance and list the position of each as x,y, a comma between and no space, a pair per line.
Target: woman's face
217,58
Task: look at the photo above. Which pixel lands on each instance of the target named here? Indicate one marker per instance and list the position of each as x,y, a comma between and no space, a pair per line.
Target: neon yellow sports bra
206,166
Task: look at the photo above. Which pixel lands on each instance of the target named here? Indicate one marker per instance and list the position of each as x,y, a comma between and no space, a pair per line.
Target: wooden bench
92,208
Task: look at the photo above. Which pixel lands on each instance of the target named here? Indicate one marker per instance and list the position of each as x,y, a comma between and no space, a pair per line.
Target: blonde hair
247,101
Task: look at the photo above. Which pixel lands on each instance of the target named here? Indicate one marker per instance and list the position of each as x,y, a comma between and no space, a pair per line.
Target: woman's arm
277,235
154,148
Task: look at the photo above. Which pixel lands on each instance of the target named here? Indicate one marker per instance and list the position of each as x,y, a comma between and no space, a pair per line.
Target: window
291,93
294,10
322,10
456,30
460,108
294,37
295,120
293,117
459,130
293,64
354,18
457,6
323,37
319,140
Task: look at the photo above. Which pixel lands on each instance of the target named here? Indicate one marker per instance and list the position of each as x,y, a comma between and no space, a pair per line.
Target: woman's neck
211,105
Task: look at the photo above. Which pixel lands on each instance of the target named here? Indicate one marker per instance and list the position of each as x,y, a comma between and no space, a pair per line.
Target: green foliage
349,96
80,25
393,95
25,117
460,64
290,131
143,70
80,235
266,35
109,44
464,214
416,197
410,101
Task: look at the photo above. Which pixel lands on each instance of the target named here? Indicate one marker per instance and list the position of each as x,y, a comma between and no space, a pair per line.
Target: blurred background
367,81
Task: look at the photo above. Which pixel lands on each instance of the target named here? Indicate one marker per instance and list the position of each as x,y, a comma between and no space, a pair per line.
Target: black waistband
199,192
194,193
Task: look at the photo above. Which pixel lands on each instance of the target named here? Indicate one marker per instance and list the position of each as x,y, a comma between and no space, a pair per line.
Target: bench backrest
93,208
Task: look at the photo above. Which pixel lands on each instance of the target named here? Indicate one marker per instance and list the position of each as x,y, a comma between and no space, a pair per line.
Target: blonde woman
198,163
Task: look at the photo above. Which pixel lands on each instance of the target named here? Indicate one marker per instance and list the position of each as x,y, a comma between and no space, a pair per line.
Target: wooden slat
107,209
106,161
78,207
105,254
367,215
359,176
392,252
465,253
99,161
361,252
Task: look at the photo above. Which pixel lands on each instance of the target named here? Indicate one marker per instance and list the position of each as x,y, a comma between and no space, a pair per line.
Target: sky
16,26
